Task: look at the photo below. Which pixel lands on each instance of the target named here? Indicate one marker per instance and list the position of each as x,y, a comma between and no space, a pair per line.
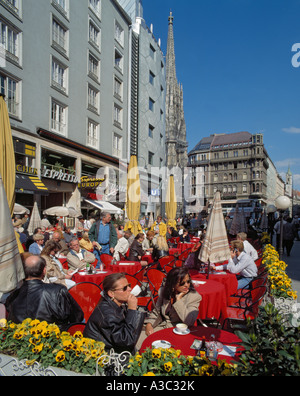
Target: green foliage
271,348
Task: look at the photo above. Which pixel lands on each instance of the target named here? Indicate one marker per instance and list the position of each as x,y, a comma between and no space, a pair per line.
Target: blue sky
234,59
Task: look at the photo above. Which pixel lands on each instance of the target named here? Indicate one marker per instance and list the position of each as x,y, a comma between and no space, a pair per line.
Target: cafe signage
60,176
87,182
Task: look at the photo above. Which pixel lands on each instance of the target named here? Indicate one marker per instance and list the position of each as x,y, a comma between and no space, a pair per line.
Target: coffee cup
181,327
136,291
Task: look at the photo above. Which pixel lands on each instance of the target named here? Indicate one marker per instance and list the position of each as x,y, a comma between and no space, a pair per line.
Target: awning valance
105,206
30,185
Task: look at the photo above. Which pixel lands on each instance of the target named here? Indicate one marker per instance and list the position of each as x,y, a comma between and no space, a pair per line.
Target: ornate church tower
176,144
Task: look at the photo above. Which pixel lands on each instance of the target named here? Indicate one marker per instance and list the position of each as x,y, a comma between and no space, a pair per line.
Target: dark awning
30,185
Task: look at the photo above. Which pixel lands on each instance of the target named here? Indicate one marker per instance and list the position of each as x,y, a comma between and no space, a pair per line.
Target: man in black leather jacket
37,300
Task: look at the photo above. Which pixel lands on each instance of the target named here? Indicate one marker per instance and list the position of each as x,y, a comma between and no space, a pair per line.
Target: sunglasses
124,289
183,283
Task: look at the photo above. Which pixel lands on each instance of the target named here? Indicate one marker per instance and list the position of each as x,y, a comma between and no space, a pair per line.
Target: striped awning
30,185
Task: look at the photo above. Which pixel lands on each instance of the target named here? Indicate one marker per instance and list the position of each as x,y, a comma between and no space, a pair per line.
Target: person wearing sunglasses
116,320
178,302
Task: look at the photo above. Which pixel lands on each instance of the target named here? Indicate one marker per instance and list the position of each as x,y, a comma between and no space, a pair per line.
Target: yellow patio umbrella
171,203
133,201
7,157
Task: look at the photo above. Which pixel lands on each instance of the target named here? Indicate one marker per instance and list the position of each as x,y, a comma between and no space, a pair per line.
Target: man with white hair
248,248
78,258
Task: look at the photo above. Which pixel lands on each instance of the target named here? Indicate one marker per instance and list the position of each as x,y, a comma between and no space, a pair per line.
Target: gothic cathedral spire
176,144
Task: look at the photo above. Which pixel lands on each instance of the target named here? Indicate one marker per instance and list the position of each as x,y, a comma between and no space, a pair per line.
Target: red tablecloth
228,280
97,278
129,267
173,251
214,298
184,342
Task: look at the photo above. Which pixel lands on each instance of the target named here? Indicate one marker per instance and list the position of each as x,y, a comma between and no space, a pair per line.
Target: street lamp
282,203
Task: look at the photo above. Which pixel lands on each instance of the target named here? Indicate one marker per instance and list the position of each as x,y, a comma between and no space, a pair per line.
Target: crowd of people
116,321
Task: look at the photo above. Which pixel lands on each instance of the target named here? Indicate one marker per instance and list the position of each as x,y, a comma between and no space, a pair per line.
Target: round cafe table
214,298
97,278
130,268
231,343
226,278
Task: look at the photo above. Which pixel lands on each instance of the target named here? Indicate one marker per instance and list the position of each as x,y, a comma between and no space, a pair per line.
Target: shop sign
86,182
26,170
60,176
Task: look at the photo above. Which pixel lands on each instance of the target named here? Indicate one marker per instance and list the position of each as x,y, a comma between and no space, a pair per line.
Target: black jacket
118,327
46,302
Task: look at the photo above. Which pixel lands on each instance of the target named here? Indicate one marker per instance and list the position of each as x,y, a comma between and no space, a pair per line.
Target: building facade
238,166
67,72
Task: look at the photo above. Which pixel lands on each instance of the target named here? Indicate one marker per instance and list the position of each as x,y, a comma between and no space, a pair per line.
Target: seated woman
161,248
55,273
116,321
38,245
136,251
85,242
185,238
178,302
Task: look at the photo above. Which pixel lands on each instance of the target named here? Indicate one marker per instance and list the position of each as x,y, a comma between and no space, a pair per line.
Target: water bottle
101,266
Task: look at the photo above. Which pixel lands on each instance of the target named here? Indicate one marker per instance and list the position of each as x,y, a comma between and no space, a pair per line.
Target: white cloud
292,129
286,163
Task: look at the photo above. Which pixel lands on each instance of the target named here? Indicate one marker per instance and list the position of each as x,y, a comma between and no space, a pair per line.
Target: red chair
64,263
87,295
73,328
258,262
155,279
239,316
106,259
165,261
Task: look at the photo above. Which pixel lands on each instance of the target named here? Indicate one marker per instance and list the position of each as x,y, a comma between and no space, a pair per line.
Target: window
62,6
94,67
10,41
93,99
150,158
117,146
118,116
151,78
13,5
10,88
118,89
150,132
151,104
93,134
152,52
95,5
59,36
59,76
245,188
119,34
119,60
58,117
94,35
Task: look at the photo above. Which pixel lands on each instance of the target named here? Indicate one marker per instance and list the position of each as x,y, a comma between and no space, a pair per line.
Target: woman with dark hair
178,302
116,320
136,251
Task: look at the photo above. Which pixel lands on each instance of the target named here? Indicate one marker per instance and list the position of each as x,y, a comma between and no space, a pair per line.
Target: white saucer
179,333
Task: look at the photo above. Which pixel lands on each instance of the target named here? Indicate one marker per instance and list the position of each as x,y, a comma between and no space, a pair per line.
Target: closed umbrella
7,157
35,220
133,200
215,248
171,203
11,268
